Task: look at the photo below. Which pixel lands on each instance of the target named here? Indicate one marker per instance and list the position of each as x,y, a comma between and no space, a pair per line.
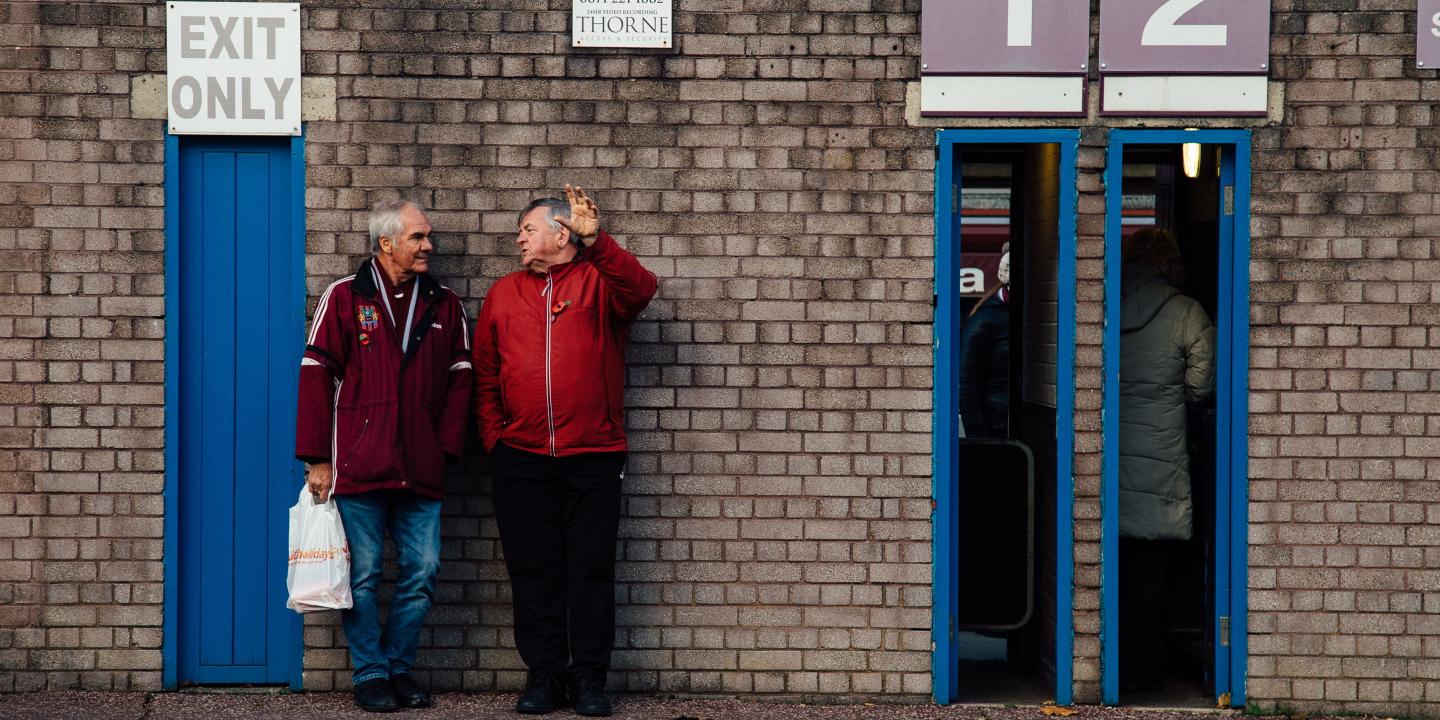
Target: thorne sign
620,23
233,68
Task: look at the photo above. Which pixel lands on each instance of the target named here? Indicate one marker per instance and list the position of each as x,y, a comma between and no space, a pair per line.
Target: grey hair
556,208
385,219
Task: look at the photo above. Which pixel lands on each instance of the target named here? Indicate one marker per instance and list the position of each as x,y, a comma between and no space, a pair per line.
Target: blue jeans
414,524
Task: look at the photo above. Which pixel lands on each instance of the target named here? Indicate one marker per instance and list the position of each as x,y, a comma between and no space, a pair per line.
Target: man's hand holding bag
319,575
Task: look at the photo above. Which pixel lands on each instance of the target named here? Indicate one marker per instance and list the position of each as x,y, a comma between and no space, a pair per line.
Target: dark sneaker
587,696
374,696
543,693
407,693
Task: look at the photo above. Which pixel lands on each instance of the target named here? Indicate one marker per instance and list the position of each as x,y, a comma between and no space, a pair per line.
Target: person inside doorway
984,373
1167,362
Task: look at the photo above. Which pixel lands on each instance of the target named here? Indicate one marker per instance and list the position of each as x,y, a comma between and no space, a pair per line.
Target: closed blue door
239,334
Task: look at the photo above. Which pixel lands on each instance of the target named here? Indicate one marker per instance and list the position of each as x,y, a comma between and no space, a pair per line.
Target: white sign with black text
233,68
620,23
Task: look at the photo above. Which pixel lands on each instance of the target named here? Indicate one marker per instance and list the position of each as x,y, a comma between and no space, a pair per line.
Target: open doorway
1004,410
1174,481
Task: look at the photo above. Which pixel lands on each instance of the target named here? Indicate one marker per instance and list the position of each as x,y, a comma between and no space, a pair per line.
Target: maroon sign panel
1185,36
987,37
1427,36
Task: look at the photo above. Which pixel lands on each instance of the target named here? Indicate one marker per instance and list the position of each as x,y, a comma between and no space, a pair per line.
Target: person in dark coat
984,374
1167,361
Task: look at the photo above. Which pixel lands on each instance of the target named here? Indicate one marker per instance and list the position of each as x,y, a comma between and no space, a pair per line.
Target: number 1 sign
1184,56
1012,57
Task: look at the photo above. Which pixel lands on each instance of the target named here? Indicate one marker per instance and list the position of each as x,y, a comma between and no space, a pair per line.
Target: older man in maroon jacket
550,377
385,387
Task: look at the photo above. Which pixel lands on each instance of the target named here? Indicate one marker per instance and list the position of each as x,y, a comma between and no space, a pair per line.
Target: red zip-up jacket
385,418
550,353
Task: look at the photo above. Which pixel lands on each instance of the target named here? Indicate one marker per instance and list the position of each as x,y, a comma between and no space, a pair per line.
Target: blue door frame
1232,360
946,586
280,653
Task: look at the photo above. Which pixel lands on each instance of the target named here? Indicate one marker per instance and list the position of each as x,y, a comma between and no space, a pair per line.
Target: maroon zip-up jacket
385,418
550,353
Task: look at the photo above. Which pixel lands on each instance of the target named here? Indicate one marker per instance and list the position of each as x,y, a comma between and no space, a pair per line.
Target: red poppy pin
560,305
364,338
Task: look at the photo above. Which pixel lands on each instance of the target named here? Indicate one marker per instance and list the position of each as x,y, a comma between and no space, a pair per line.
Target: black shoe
374,696
407,693
543,693
587,695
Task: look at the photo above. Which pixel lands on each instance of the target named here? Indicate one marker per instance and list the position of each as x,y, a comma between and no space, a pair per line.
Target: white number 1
1163,30
1021,25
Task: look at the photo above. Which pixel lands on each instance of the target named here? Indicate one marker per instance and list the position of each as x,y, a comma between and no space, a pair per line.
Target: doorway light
1190,159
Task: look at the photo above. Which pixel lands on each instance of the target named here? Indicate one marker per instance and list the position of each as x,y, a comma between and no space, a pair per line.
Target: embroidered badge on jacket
369,320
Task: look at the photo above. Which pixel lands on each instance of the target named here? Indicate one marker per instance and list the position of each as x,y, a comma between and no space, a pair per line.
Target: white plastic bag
319,576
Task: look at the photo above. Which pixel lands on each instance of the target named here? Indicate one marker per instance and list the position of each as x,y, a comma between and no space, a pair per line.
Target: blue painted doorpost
1228,575
235,305
945,466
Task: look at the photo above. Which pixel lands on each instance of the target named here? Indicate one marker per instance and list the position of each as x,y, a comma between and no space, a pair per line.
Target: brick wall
776,533
81,393
1345,467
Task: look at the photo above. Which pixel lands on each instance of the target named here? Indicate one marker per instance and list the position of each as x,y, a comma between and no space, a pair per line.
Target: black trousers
1142,605
558,520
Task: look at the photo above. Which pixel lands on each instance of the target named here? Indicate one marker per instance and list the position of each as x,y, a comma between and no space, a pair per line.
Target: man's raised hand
584,220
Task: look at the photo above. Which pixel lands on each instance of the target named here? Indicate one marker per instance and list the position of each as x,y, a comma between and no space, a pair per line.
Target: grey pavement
338,706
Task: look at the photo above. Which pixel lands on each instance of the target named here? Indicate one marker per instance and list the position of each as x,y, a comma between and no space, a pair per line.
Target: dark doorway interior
1166,586
1005,630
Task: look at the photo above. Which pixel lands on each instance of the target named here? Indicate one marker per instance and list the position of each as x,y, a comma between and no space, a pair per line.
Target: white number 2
1163,30
1021,26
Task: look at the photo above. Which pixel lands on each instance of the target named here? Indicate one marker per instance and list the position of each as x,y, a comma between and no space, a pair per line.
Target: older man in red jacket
550,376
385,386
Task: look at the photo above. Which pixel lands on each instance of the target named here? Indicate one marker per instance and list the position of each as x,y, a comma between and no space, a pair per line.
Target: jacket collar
428,291
365,282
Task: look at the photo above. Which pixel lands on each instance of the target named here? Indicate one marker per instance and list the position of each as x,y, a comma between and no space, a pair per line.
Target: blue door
235,293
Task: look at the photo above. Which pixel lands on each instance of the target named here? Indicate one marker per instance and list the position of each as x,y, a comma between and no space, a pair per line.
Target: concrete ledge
1274,116
317,98
147,97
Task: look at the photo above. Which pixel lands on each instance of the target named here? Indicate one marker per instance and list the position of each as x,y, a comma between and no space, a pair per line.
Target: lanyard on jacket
409,314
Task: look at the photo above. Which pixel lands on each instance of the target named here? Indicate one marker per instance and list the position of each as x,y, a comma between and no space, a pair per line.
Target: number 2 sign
1184,36
1192,57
